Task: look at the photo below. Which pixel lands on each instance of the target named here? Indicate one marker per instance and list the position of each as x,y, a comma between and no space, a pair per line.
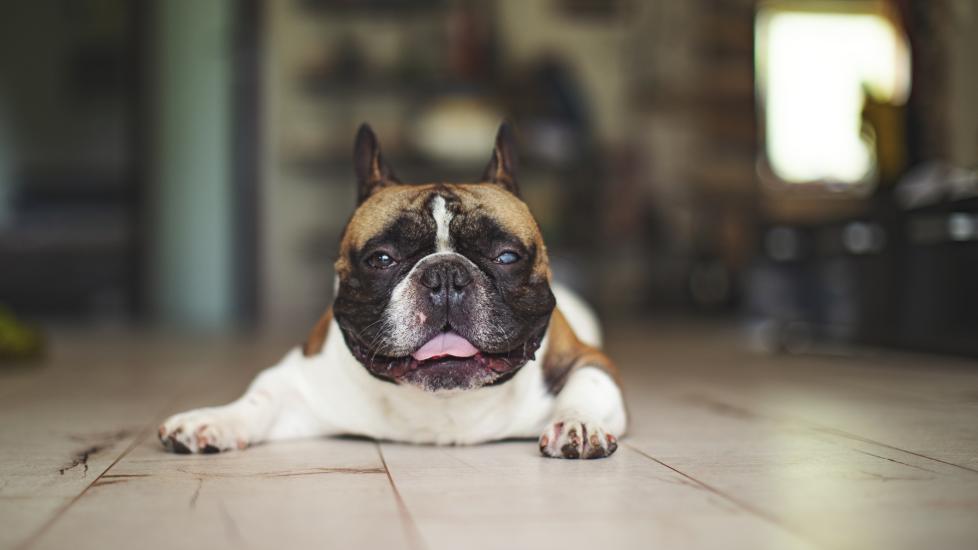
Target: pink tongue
446,343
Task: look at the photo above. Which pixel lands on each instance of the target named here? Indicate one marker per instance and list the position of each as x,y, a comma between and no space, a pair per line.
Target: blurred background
804,168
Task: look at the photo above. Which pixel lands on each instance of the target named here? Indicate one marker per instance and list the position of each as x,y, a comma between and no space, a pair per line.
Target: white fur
331,393
443,220
401,316
579,315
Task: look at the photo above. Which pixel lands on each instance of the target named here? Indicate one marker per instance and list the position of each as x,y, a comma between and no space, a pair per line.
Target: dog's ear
502,165
372,172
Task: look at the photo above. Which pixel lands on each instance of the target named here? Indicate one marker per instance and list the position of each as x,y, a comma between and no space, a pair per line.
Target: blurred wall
963,82
67,192
658,85
636,117
592,47
295,275
47,125
191,202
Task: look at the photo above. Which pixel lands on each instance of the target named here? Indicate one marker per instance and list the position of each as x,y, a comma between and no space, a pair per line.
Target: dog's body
444,330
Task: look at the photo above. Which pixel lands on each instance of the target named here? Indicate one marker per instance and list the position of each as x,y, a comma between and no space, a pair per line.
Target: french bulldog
445,329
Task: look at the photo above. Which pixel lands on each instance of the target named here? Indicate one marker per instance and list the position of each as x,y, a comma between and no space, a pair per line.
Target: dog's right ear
502,166
372,172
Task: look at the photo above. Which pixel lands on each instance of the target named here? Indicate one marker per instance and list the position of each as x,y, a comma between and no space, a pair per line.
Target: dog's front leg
271,408
589,416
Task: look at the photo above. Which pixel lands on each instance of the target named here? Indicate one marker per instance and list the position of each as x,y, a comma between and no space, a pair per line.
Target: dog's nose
446,280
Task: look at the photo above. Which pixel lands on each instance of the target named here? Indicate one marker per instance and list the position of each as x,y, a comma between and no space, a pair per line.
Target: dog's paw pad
202,431
576,439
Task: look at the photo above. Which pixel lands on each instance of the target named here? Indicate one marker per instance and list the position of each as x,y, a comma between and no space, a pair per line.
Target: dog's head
444,286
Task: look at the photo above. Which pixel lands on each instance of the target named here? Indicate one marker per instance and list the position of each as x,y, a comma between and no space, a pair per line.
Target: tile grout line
855,437
829,430
888,459
414,534
750,509
32,539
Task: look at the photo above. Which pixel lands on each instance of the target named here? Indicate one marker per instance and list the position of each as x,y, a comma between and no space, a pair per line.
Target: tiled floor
728,449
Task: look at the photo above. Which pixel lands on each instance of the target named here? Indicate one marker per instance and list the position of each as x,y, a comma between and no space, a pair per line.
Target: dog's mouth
445,344
448,361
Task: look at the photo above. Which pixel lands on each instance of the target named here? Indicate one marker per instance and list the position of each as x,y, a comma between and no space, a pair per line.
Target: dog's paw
203,431
576,439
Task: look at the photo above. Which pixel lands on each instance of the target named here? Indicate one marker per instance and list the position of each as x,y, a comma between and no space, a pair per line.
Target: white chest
341,390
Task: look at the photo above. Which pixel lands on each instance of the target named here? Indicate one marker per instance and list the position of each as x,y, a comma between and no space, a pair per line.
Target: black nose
446,280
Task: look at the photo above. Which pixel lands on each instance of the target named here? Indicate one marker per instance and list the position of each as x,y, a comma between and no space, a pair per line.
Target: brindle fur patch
317,336
566,353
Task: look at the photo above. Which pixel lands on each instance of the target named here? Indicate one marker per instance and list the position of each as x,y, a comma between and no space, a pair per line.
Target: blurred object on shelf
595,9
902,274
887,123
936,182
456,128
553,109
341,60
375,7
470,43
6,176
19,342
70,203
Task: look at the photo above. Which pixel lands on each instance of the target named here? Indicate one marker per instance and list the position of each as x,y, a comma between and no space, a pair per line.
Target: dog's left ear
502,165
372,172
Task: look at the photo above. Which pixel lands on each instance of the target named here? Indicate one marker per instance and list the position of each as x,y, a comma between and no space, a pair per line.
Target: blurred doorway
71,221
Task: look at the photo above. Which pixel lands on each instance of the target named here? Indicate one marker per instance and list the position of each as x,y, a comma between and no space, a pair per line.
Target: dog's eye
506,258
381,260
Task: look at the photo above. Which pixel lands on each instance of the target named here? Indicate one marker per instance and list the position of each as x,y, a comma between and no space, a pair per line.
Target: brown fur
499,171
317,336
566,353
386,204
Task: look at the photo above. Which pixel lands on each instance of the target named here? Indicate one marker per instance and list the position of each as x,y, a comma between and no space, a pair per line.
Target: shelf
371,8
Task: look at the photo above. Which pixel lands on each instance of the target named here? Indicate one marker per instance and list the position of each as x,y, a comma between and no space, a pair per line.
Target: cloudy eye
381,260
508,257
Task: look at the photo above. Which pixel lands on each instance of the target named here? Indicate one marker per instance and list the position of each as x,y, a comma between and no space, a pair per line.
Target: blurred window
815,67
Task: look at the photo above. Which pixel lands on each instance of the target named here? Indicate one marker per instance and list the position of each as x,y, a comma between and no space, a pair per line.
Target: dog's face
444,286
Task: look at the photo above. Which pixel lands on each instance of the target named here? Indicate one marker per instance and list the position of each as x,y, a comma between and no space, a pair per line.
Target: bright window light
813,72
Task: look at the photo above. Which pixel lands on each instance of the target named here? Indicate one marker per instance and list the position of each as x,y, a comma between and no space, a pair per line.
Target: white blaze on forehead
443,218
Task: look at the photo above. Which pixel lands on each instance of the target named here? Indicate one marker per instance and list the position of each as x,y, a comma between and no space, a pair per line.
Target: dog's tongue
446,343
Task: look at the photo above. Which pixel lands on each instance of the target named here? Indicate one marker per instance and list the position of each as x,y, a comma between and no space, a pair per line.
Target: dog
445,329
